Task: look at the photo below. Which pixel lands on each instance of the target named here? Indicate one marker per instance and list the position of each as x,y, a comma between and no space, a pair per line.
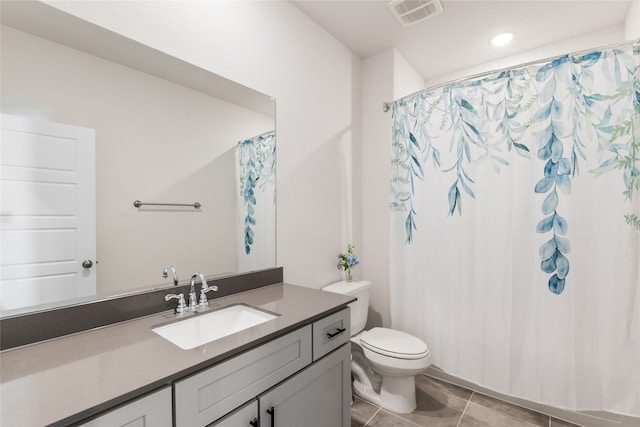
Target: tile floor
441,404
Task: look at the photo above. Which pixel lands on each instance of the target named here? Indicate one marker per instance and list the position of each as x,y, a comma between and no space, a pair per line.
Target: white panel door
47,213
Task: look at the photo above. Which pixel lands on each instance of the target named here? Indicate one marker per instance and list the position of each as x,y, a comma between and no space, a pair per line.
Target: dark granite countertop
64,380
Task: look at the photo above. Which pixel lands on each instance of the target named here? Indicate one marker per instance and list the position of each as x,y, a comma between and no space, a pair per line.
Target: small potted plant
347,261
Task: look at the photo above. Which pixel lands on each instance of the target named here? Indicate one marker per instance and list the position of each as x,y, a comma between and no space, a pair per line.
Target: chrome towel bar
138,203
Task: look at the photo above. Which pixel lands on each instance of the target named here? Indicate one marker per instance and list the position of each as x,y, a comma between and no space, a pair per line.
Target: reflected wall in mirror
160,137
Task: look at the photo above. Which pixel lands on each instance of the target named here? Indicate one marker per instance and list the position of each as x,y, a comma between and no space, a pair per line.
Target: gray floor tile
439,404
388,419
561,423
480,416
461,392
361,412
531,417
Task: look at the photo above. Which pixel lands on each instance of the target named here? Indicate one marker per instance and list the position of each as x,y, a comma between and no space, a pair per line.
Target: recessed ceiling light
501,39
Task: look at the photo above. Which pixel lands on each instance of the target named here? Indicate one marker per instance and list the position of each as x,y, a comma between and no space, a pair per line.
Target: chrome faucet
165,272
203,304
193,298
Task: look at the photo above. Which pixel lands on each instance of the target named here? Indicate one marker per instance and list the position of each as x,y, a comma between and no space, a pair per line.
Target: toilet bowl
384,362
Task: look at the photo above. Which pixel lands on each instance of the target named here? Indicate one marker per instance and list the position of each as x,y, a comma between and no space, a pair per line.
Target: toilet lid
393,343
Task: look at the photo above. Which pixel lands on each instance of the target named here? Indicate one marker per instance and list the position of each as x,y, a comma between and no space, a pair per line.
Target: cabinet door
246,416
319,396
211,394
154,410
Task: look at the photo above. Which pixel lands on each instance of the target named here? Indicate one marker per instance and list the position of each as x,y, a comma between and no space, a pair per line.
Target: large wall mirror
164,131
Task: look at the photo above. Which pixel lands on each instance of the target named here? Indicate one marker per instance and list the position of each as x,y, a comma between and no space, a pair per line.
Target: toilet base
396,394
366,393
392,392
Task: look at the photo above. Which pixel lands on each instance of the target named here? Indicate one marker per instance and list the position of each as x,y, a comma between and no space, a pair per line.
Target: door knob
87,263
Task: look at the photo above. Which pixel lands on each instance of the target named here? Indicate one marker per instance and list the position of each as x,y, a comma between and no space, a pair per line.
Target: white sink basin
204,328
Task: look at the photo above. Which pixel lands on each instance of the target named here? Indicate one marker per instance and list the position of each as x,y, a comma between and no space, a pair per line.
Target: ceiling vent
409,12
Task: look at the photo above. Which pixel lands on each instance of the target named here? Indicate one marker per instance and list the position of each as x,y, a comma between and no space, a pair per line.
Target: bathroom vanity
293,370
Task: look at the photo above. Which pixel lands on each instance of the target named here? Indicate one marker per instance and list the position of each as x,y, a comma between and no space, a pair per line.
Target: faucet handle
182,305
203,296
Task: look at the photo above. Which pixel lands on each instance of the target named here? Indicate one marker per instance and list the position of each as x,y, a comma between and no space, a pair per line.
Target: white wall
155,141
632,23
406,80
274,48
386,76
377,87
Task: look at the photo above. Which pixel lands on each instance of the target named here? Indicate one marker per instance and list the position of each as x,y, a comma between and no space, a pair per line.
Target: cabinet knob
87,263
254,422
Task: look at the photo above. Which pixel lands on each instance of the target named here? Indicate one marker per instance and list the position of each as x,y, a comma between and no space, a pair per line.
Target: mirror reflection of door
47,213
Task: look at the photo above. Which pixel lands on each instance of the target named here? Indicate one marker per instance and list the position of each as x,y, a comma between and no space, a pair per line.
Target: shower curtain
256,167
515,228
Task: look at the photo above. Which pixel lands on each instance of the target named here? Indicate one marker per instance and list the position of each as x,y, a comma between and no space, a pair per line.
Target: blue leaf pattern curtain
256,160
515,228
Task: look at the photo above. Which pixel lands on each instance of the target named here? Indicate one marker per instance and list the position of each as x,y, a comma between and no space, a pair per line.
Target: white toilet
384,362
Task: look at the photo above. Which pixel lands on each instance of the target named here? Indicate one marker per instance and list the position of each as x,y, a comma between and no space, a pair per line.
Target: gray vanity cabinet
305,376
154,409
319,396
209,395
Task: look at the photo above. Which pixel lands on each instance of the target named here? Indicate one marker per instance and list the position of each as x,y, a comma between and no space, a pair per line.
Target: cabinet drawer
151,410
331,332
209,395
241,417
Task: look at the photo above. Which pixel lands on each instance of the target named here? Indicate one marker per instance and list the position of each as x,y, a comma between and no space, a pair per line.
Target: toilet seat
396,344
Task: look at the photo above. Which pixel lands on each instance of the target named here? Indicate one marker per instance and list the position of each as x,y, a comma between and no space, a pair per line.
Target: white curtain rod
386,106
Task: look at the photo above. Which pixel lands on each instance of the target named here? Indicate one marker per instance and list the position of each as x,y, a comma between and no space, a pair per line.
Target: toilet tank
360,308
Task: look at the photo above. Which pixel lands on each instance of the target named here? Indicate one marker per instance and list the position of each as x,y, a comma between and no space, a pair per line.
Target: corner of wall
385,77
377,87
406,80
632,22
357,148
